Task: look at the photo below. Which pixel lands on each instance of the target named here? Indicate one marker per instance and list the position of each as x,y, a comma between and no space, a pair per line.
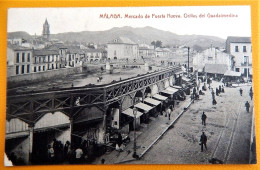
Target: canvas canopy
232,73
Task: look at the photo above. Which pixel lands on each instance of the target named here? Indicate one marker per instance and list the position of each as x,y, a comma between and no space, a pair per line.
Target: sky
191,19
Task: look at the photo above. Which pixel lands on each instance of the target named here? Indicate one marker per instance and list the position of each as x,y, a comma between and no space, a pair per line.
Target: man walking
203,141
241,92
203,118
247,105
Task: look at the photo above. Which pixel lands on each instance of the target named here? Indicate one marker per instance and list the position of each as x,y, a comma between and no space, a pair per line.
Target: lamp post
134,113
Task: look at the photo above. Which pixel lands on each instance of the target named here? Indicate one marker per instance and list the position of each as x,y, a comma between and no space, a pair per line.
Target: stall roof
173,90
160,97
167,92
232,73
152,101
129,112
143,106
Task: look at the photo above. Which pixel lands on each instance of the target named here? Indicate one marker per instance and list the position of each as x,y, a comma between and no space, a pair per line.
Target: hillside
138,35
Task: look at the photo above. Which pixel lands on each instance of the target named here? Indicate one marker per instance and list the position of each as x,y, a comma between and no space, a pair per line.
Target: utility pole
188,61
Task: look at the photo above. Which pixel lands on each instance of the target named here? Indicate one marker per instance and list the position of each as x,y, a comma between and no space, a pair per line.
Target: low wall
43,75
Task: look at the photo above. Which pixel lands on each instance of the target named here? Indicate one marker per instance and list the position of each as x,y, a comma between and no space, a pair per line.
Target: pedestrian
50,154
213,94
247,105
219,89
216,91
203,141
251,94
241,92
214,102
169,114
66,150
119,142
223,91
203,118
78,155
55,147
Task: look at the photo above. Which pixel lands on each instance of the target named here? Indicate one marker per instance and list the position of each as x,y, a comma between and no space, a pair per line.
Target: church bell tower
46,30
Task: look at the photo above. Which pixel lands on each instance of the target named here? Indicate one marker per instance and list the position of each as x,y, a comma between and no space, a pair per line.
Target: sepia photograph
129,85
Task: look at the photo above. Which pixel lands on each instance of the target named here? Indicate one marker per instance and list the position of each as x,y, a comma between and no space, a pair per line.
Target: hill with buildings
139,35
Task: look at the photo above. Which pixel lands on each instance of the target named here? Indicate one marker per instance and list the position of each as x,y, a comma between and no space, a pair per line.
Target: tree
157,43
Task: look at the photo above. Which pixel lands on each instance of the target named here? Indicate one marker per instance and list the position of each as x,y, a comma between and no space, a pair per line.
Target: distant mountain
19,34
138,35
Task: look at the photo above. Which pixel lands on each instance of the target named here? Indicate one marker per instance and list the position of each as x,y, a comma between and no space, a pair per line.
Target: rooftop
122,40
45,52
239,39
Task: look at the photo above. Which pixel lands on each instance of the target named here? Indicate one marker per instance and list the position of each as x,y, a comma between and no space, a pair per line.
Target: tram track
231,116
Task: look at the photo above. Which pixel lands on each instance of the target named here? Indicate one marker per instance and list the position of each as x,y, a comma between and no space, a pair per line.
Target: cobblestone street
228,130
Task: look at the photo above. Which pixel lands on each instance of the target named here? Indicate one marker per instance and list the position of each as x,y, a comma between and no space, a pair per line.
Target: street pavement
228,130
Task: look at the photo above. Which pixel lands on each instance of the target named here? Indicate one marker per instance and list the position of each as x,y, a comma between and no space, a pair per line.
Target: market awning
167,92
143,106
16,135
152,101
129,112
173,90
160,97
232,73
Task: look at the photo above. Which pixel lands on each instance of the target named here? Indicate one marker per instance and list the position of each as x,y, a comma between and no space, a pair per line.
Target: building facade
212,56
45,60
241,49
122,48
95,55
19,60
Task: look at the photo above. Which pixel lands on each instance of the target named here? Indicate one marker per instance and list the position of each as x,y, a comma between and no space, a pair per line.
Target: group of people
57,153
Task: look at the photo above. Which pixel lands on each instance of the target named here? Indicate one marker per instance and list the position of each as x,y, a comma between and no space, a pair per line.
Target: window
49,58
237,70
35,60
17,57
28,68
244,48
43,69
35,69
17,69
22,69
236,49
39,68
246,59
28,57
23,57
48,66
